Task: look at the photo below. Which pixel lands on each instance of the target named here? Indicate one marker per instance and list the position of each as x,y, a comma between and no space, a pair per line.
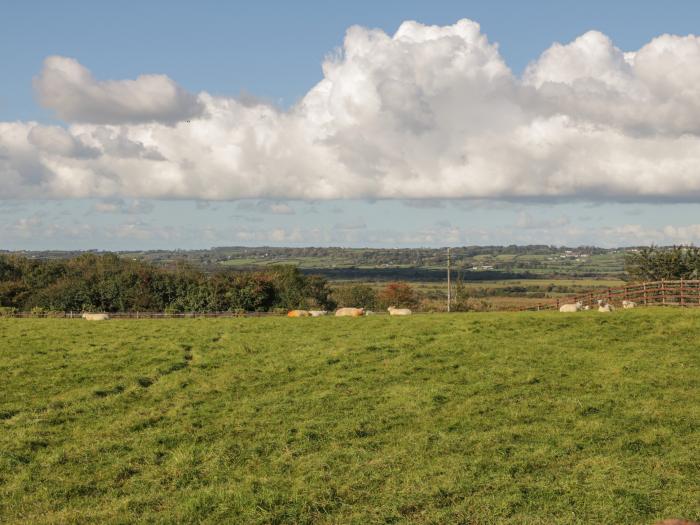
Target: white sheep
318,313
607,307
628,304
399,311
350,312
95,317
571,307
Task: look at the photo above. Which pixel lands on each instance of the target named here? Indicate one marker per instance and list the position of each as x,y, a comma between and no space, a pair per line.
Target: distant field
580,283
555,262
527,418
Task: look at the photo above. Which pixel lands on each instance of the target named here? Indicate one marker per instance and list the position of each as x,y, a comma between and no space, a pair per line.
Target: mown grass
526,418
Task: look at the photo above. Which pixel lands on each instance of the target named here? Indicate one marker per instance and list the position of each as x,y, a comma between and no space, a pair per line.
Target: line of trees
654,263
110,283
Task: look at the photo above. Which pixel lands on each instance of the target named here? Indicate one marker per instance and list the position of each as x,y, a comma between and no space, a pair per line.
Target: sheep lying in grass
95,317
628,304
571,307
607,307
298,313
349,312
318,313
399,311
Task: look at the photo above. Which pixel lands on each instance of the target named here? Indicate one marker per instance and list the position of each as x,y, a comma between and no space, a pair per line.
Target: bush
356,296
398,294
464,301
655,264
38,311
7,311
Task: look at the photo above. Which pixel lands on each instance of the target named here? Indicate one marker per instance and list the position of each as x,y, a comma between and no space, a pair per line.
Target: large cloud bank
428,113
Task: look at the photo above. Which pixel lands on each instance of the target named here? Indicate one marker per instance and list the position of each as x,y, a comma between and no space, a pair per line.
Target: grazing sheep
298,313
628,304
399,311
349,312
318,313
95,317
571,307
587,307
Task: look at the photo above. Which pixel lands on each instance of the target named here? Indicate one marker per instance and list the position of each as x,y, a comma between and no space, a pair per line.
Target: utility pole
449,286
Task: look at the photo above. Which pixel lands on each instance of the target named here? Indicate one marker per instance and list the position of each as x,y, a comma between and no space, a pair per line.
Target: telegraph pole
449,287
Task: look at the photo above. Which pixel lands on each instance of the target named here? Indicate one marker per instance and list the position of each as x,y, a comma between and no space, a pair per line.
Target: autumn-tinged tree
398,294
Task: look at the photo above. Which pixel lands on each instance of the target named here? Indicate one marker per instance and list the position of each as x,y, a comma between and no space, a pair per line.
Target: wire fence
654,293
143,315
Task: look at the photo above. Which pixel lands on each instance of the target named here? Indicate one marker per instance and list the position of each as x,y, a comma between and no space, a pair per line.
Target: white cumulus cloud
69,88
432,112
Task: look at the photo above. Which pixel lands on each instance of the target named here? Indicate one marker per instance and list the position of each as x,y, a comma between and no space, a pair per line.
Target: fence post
663,291
557,303
644,288
624,294
609,295
682,297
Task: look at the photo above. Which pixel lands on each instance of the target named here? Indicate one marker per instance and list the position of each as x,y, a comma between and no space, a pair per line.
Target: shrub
464,301
398,294
7,311
654,264
357,296
38,311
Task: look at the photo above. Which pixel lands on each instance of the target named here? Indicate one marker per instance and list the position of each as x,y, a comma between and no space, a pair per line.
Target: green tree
654,264
356,295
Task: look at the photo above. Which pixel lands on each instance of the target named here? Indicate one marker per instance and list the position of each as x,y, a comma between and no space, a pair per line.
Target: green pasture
493,418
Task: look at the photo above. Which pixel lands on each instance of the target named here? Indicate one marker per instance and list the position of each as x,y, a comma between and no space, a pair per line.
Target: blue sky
272,52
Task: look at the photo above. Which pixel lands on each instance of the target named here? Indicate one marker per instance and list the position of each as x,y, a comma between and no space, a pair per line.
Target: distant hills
412,264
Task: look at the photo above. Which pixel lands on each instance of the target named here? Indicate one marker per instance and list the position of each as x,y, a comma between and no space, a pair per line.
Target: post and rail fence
680,292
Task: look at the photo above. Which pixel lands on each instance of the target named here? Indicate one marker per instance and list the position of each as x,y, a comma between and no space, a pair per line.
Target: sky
136,125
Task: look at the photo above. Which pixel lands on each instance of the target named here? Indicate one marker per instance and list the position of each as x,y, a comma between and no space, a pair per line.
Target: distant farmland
463,418
416,264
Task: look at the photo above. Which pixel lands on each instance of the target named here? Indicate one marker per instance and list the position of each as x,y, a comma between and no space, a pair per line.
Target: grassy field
527,418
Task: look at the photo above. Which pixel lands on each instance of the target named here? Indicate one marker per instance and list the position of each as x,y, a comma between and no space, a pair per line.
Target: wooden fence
655,293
